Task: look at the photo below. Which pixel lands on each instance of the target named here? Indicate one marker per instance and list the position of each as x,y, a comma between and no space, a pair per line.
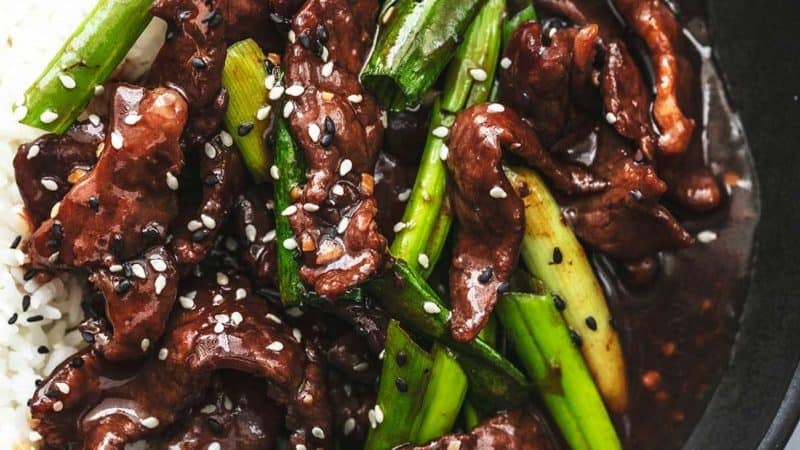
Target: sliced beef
235,413
394,179
406,133
254,19
351,405
255,227
626,220
338,126
509,430
139,295
200,219
489,212
582,13
46,168
126,202
221,325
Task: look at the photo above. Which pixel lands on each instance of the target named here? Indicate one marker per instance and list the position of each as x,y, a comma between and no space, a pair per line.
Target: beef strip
509,430
200,220
351,355
221,325
124,204
139,296
255,229
658,27
582,13
626,220
338,126
352,403
367,320
489,212
46,168
252,19
394,179
235,413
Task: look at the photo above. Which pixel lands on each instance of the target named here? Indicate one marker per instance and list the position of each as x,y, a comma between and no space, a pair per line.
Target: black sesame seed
401,358
36,318
51,393
401,384
57,230
245,128
200,234
211,18
170,34
559,302
53,243
557,256
485,275
330,127
281,22
116,244
269,65
326,140
26,302
211,180
199,63
77,361
88,338
318,48
13,319
215,426
591,323
150,232
42,349
123,286
636,194
576,338
16,241
183,15
127,270
38,382
29,274
503,287
322,33
305,40
94,203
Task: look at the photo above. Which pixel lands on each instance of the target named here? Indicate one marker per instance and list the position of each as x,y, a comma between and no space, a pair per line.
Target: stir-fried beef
582,13
394,179
509,430
46,168
124,204
406,133
367,320
200,221
221,325
139,295
255,228
352,401
252,18
235,413
338,127
489,211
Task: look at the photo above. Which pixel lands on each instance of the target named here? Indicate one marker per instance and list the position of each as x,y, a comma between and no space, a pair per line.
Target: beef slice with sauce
106,216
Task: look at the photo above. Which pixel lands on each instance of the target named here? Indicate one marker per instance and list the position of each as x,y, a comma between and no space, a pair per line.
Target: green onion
87,59
443,398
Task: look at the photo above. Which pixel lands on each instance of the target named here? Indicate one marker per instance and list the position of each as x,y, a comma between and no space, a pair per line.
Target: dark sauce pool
678,334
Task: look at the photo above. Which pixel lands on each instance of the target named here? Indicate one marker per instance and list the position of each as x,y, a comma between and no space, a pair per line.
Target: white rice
31,31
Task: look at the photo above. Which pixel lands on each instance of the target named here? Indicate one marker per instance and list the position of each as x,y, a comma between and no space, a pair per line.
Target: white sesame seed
298,335
292,36
384,119
222,279
378,414
210,150
343,224
349,426
160,284
33,151
219,328
291,209
58,406
274,172
387,15
54,210
288,108
324,54
145,344
360,367
99,90
132,119
163,353
440,132
48,116
34,436
611,118
431,308
138,271
236,318
497,192
505,63
250,232
337,190
454,445
404,196
20,112
269,236
194,225
226,138
495,108
263,112
706,236
300,447
478,74
52,259
217,300
274,318
158,264
314,132
295,90
345,167
149,422
227,403
444,152
172,181
222,318
67,81
214,446
399,226
114,268
311,207
371,416
208,409
290,244
49,184
186,302
355,98
294,312
318,433
117,141
327,69
62,387
269,82
276,92
208,221
94,119
423,260
275,346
